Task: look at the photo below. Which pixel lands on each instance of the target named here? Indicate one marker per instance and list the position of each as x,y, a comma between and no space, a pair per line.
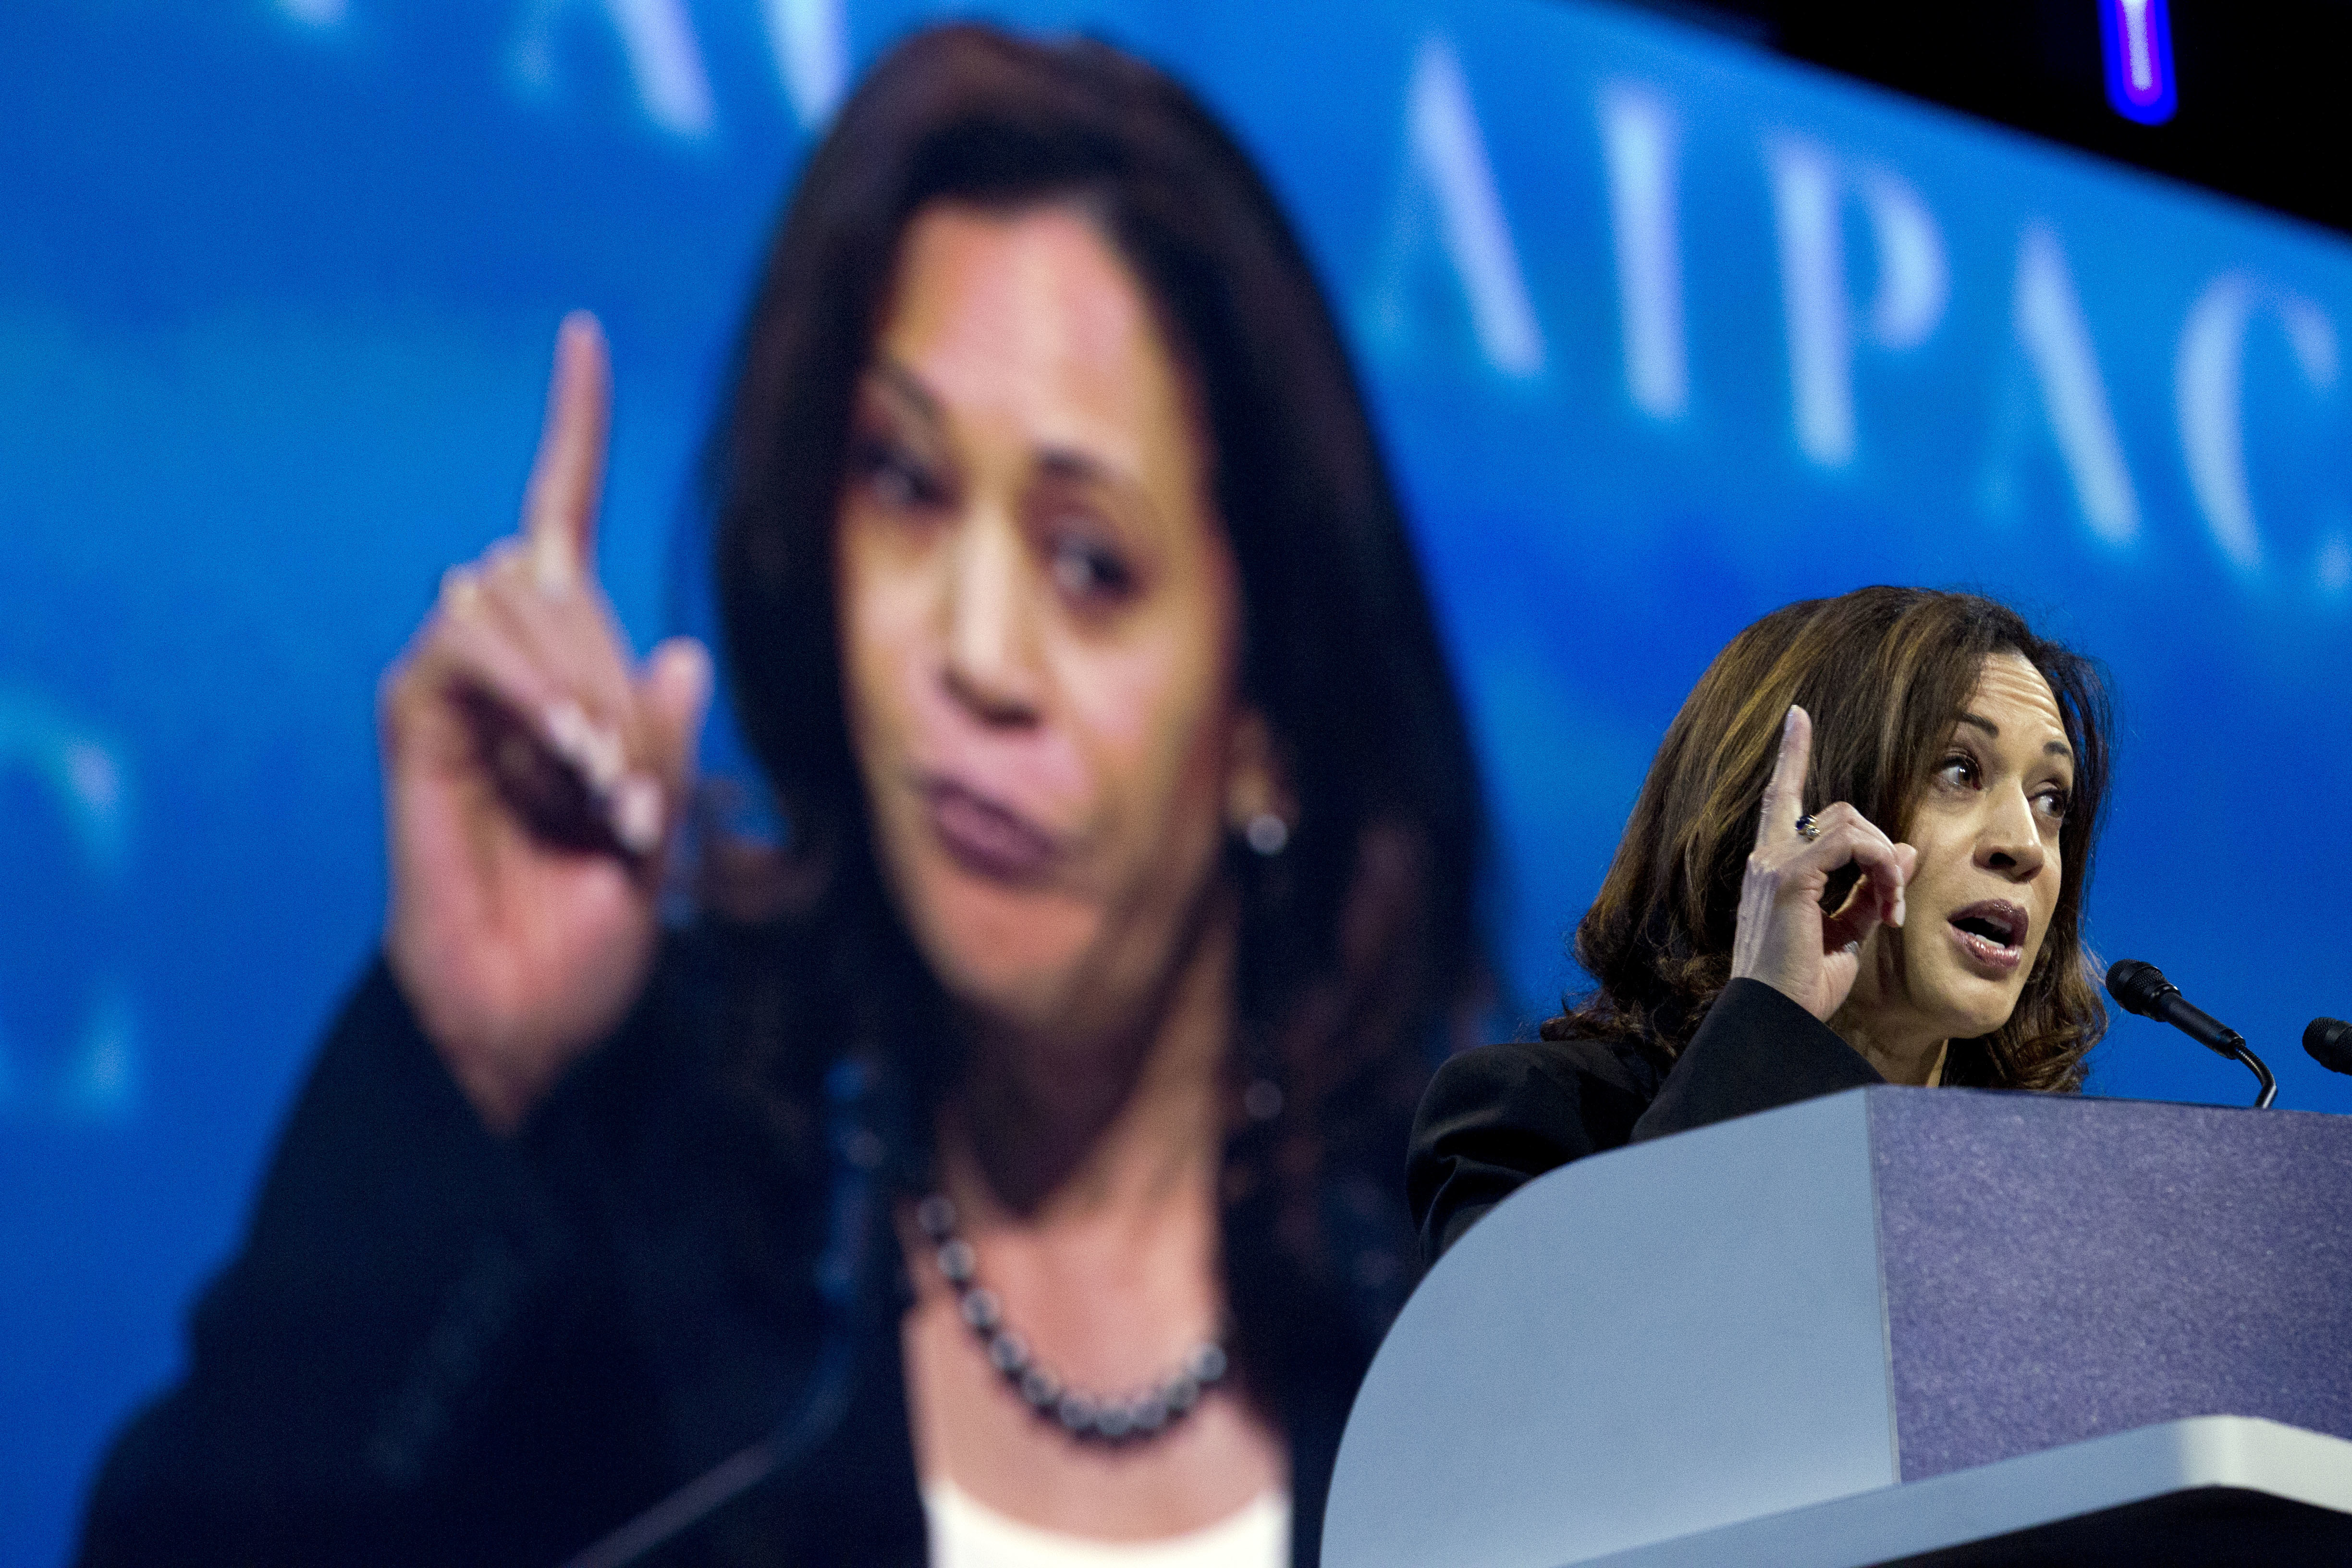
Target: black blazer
440,1346
1497,1117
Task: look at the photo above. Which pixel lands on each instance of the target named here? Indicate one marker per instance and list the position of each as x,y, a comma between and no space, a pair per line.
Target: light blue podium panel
1874,1326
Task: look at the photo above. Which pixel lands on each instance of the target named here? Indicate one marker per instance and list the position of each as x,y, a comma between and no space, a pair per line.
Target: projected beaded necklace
1088,1418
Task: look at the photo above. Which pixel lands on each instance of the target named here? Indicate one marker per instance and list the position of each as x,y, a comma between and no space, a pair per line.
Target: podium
1892,1325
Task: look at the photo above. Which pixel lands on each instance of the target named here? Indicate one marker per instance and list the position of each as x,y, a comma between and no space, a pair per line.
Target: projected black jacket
440,1347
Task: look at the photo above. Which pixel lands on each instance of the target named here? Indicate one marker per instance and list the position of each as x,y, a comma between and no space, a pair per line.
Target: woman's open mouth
1991,934
986,837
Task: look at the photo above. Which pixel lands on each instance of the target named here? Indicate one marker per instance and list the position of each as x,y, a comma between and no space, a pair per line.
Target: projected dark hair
1884,672
1360,941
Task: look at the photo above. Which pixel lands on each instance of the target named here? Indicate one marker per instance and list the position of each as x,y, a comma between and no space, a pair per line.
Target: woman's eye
1088,570
2054,804
1959,771
893,476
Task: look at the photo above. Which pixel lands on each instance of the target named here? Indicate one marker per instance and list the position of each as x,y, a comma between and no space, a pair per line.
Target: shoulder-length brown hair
1884,672
1361,938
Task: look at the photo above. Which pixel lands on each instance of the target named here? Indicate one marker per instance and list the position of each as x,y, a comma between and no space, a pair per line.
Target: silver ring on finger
1806,828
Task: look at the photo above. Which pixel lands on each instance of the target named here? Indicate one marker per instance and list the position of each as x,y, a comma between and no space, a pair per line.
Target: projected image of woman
1018,1154
1860,857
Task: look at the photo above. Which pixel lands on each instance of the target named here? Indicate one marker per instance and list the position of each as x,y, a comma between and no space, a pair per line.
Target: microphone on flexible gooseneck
2329,1041
2143,989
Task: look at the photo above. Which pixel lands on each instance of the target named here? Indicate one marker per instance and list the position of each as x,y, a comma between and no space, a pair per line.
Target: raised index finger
1784,792
568,477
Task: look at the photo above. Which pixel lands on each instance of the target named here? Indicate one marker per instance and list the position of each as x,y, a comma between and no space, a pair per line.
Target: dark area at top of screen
2260,84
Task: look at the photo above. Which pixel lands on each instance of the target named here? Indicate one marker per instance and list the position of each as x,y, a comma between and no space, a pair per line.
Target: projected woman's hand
1785,938
534,772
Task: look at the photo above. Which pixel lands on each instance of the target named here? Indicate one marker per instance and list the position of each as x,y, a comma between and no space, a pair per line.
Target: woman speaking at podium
1860,857
1012,1175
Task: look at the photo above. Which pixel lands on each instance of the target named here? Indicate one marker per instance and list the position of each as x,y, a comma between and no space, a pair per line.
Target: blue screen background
1662,332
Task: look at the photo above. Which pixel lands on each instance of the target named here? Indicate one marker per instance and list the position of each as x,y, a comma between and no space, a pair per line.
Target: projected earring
1267,833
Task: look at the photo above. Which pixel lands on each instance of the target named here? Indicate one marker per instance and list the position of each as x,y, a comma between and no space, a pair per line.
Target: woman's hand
533,773
1785,939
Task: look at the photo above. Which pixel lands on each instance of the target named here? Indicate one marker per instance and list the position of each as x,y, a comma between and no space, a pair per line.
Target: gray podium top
1840,1297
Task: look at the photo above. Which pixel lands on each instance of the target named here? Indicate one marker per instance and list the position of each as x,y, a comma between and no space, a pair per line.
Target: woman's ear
1260,805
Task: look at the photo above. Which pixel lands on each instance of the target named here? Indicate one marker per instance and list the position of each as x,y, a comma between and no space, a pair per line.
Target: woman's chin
1970,1005
1004,950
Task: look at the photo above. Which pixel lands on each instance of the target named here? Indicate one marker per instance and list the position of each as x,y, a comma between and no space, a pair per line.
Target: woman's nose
991,668
2011,842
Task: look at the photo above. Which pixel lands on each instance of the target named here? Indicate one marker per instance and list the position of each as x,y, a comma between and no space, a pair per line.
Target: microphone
2329,1041
2143,989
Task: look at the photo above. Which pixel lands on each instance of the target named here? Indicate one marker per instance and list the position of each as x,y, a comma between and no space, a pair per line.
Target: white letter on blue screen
811,41
1813,299
2047,317
1442,130
1637,141
665,62
1914,284
2209,378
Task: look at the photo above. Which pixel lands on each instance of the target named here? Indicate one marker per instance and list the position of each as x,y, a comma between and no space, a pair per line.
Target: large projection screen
1662,332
